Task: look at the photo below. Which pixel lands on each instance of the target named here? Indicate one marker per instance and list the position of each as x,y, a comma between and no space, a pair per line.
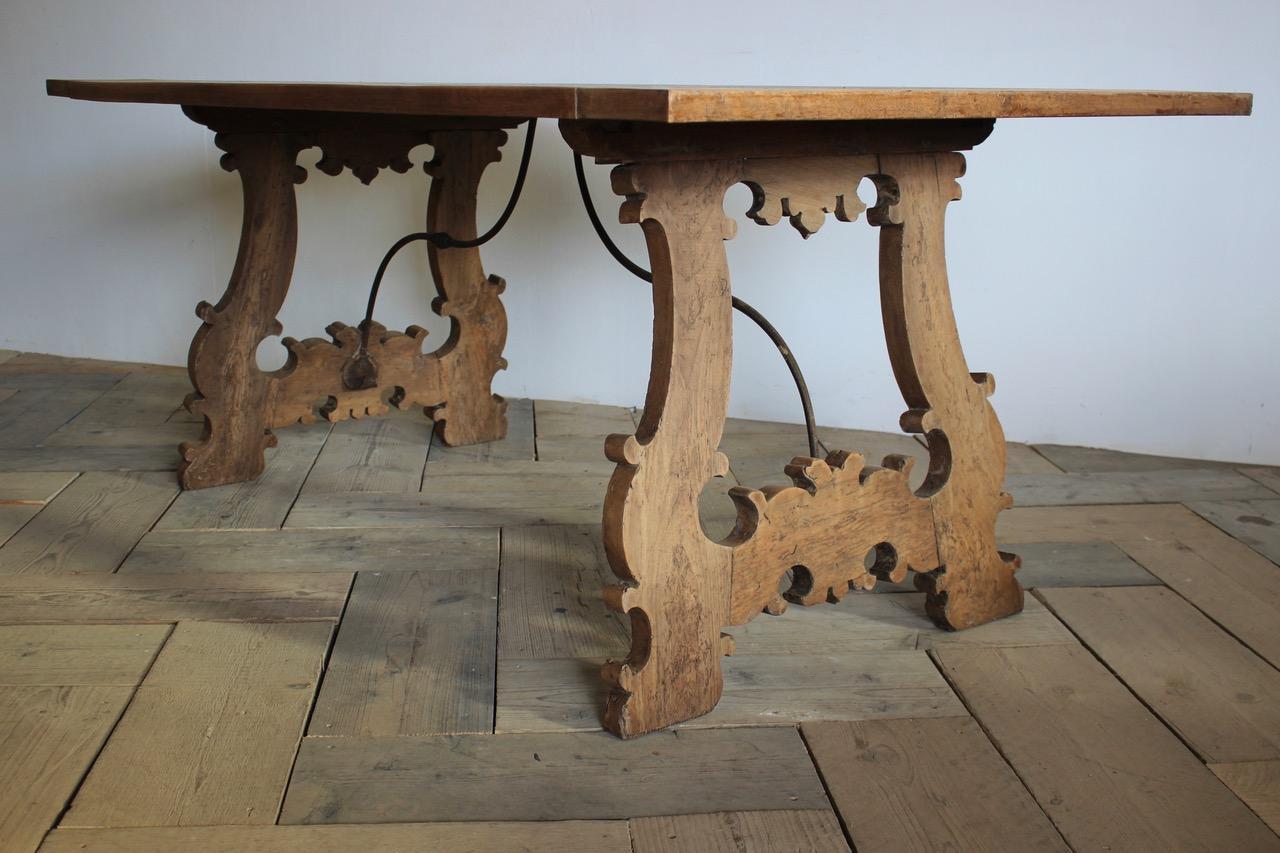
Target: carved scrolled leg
473,352
948,405
231,393
676,581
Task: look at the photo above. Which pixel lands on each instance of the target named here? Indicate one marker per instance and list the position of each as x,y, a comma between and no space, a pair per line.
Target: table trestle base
241,403
678,587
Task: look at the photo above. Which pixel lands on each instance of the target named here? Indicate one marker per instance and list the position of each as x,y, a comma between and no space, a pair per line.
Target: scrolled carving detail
366,154
838,510
307,386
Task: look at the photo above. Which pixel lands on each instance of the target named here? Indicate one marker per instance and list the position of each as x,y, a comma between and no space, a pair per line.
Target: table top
670,104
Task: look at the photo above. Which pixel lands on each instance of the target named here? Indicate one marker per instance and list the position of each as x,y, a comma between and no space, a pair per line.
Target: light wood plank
261,503
42,380
146,597
1094,460
563,694
1220,697
550,776
300,549
33,414
1099,524
66,655
1121,487
134,411
61,690
551,603
1233,584
91,525
739,832
1256,523
145,458
569,836
1258,784
880,771
48,737
518,445
1107,772
384,454
210,736
414,656
29,487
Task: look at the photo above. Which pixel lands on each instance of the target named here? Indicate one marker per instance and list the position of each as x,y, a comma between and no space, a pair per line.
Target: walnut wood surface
676,104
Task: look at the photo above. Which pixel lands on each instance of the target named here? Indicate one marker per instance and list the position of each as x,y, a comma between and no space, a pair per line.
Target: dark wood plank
210,735
739,832
415,656
878,771
91,525
588,776
567,694
577,836
32,415
1107,772
1256,523
1051,564
147,597
1220,697
301,549
153,457
1094,460
1121,487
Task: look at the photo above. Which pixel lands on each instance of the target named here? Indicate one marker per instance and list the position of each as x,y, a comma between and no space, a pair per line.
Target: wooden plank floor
389,644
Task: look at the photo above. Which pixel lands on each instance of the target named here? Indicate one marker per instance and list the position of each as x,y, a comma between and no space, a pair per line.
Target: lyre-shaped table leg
676,579
231,392
473,352
948,405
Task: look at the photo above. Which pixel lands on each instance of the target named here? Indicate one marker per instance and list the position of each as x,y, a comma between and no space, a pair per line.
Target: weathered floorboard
210,736
414,656
924,785
301,549
739,832
1220,697
1108,773
579,776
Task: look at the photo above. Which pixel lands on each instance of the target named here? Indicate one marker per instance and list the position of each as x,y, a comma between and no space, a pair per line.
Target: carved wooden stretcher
846,522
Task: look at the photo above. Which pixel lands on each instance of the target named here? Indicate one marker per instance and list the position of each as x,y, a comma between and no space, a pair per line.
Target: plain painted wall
1115,274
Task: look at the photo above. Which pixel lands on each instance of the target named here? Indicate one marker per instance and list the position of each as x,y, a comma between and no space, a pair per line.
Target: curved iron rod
742,307
441,240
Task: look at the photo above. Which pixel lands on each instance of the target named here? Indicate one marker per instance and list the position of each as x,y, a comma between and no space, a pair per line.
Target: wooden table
844,524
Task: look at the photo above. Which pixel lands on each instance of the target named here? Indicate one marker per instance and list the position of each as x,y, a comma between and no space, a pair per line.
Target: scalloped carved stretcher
844,523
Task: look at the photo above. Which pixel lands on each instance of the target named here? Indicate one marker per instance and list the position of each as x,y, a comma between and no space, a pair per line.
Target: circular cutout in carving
796,583
881,560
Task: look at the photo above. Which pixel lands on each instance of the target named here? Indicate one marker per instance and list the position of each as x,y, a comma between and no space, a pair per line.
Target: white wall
1115,274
